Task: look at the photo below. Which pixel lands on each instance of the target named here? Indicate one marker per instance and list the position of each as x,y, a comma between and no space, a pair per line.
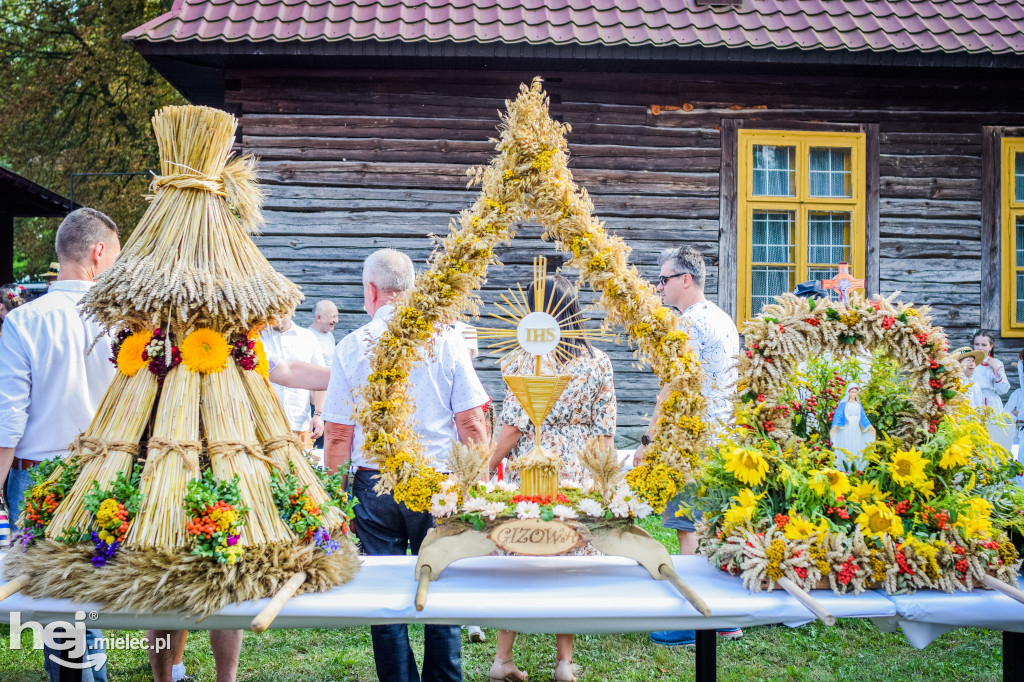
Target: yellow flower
262,365
975,521
828,479
743,510
877,519
907,468
957,454
205,351
865,492
748,466
129,357
800,527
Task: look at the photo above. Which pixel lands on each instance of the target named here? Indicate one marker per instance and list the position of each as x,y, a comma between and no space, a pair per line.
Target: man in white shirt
716,342
325,316
448,398
288,342
50,383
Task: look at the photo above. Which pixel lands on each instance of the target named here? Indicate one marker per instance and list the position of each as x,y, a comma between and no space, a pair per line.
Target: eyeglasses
663,279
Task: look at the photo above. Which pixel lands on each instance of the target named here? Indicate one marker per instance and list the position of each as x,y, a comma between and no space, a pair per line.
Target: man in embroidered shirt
448,398
325,317
714,339
288,341
50,384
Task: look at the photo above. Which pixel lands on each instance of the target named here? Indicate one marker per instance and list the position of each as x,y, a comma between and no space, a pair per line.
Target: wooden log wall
357,161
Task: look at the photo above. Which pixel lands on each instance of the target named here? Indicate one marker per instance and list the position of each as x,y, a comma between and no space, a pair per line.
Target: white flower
563,512
507,486
590,507
449,484
570,484
443,505
475,504
487,486
528,510
639,508
492,509
620,502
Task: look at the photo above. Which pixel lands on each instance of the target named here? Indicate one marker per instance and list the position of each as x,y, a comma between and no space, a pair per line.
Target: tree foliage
76,98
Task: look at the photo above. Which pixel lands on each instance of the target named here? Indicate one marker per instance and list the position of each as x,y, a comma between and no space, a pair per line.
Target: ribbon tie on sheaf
232,448
284,440
159,448
86,448
236,183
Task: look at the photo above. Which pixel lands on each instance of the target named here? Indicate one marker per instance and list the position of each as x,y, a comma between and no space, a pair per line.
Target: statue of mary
851,431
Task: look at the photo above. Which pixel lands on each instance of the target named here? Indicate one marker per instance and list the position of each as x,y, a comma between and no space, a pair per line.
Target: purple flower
232,540
323,540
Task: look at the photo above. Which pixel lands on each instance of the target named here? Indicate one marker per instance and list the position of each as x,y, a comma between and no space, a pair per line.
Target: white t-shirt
441,384
716,342
50,384
295,344
327,344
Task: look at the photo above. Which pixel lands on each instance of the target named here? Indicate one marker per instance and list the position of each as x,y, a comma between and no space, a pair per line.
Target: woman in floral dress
585,410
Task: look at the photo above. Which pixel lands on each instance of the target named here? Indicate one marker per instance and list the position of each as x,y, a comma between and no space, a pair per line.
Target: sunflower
205,351
878,519
828,479
958,453
975,521
748,466
741,512
262,365
865,492
799,527
907,468
129,357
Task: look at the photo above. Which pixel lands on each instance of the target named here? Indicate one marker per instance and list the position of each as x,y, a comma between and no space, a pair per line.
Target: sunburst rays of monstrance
537,334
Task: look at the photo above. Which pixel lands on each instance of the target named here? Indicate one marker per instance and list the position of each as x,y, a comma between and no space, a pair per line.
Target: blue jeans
385,527
18,483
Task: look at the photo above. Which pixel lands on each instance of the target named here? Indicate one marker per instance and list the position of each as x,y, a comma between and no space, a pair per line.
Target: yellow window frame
801,203
1011,210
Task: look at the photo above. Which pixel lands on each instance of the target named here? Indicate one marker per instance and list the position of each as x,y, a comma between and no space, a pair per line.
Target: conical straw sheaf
107,447
191,262
172,461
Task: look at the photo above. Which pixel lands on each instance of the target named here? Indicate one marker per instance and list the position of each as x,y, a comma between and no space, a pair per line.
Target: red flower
932,364
769,426
760,397
800,571
749,354
813,321
782,329
875,305
888,322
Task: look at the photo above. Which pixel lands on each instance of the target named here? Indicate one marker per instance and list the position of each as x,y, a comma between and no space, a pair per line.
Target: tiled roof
950,26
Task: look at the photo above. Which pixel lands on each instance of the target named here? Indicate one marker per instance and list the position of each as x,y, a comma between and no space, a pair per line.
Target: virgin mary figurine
851,431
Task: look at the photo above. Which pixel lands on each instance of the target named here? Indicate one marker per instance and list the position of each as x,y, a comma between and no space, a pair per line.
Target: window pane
767,282
828,237
772,237
774,171
1018,175
823,274
1020,241
1020,296
830,172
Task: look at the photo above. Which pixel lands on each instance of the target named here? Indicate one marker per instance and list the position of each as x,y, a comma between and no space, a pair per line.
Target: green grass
852,650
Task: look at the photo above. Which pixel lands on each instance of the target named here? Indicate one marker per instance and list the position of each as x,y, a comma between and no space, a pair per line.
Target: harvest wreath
529,177
924,506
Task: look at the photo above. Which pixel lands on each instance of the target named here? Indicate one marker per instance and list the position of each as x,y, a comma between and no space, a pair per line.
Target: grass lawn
853,649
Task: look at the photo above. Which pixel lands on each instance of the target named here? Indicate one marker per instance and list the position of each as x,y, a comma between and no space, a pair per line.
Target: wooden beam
871,220
991,312
727,223
6,248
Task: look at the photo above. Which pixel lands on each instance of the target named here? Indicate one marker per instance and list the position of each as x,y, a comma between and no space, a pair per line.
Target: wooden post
728,239
872,226
707,656
812,605
1013,660
421,588
265,617
13,587
998,585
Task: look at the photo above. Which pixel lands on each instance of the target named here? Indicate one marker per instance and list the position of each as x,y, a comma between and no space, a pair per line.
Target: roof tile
955,26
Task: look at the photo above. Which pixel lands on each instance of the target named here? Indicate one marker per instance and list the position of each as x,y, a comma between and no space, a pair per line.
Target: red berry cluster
781,520
244,353
847,571
813,321
901,559
901,507
539,499
922,338
888,322
939,519
800,571
841,512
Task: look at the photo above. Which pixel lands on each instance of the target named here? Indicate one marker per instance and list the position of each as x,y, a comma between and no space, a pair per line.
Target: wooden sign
534,537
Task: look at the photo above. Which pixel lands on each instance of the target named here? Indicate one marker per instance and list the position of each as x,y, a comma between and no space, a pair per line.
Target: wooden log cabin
778,137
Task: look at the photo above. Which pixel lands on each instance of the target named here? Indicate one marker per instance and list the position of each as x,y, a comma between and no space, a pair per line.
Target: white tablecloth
597,595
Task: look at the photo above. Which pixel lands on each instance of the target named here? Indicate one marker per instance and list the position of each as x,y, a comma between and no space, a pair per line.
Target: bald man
325,316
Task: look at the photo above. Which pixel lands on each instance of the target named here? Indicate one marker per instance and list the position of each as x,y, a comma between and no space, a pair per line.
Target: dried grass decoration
528,178
193,525
927,506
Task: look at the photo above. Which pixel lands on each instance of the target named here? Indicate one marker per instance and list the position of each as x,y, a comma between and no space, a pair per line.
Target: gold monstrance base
537,393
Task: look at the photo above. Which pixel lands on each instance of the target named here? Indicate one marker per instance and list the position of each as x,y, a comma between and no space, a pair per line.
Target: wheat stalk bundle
233,449
468,462
602,461
107,447
172,460
190,260
281,444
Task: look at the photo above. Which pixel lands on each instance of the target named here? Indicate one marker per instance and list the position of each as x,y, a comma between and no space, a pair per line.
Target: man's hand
638,455
6,460
316,427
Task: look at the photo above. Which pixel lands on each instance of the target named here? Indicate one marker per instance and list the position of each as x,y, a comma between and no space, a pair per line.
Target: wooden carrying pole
265,617
13,587
812,605
999,586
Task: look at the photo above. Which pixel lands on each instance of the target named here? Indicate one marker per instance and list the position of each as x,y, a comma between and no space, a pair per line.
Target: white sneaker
476,634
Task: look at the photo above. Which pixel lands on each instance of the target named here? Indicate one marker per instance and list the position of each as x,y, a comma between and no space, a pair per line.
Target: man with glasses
714,339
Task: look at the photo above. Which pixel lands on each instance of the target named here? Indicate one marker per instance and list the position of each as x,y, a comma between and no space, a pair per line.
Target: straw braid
236,183
159,448
87,448
231,448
